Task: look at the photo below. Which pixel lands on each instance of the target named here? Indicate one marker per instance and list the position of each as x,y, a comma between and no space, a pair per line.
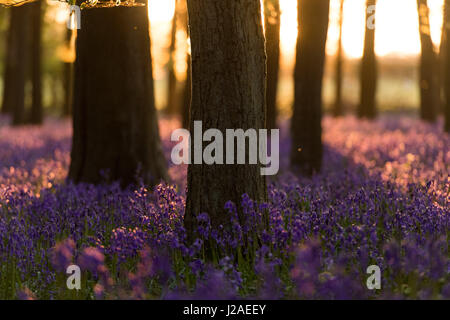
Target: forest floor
381,199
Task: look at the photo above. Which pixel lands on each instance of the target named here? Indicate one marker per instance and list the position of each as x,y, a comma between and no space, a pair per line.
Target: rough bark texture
429,88
367,106
338,107
272,16
447,65
36,115
16,64
306,128
114,116
228,92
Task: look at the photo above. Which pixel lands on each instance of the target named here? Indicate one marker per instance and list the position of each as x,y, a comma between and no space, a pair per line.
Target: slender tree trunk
306,128
446,30
367,106
442,62
171,95
428,84
36,115
114,116
68,80
228,92
16,64
338,107
272,15
187,87
187,94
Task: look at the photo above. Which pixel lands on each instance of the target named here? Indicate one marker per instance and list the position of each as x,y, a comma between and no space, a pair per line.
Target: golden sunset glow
396,23
396,26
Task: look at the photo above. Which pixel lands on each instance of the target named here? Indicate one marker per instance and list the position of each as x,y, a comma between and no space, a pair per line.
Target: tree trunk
338,107
16,64
272,15
114,117
306,128
36,115
428,85
447,65
171,107
228,92
367,106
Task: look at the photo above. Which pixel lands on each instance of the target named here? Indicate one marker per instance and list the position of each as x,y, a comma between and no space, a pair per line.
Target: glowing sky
397,25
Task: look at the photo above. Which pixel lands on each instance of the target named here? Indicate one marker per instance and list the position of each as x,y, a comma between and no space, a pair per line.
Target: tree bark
228,92
367,106
272,16
338,107
36,115
16,64
446,30
306,128
114,117
429,95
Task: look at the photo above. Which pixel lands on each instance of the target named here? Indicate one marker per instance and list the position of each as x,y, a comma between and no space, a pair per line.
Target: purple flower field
383,198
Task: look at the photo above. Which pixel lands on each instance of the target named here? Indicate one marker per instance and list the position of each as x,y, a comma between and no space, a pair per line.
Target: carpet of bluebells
381,199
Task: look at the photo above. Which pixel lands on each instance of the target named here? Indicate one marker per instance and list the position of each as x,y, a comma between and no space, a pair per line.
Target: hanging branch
14,3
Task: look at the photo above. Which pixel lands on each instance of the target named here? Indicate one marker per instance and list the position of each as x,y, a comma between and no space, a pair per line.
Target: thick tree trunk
447,65
272,15
36,115
338,107
367,106
429,96
306,128
16,64
228,92
114,116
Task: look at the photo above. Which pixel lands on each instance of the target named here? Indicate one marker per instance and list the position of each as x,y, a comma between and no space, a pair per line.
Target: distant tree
338,107
187,88
68,79
442,59
429,87
36,115
16,63
187,93
228,92
114,116
306,128
367,106
171,93
272,17
446,31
